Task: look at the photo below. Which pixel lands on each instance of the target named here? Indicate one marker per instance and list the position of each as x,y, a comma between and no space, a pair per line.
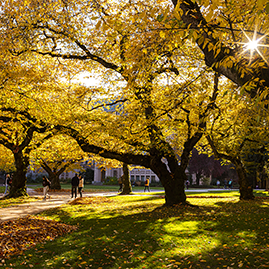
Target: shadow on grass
138,233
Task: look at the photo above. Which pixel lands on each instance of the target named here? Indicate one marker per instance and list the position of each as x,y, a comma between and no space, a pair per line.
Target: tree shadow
230,233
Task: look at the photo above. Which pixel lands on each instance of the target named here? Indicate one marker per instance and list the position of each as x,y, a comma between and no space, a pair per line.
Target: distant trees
203,165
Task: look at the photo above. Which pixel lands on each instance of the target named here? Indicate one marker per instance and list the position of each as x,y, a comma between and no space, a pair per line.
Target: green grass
90,187
136,232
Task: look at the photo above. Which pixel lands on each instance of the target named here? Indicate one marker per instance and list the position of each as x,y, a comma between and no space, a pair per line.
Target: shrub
111,181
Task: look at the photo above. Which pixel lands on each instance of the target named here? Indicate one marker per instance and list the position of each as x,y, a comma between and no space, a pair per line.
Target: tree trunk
55,181
198,177
267,184
245,184
173,183
18,187
127,188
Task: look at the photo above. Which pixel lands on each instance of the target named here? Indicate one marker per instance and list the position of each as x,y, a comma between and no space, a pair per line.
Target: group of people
228,184
77,183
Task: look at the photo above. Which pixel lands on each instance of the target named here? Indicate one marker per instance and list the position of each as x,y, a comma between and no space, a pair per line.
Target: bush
111,181
38,179
156,184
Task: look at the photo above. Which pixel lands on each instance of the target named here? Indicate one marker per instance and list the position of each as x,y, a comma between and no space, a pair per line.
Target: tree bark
127,188
55,181
173,182
245,184
18,187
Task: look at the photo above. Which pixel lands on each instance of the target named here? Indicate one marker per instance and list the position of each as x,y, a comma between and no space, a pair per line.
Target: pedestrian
187,184
120,181
147,184
218,183
230,183
46,186
80,185
225,183
74,183
8,182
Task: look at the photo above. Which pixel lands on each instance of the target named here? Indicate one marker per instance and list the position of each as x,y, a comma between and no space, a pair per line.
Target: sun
253,45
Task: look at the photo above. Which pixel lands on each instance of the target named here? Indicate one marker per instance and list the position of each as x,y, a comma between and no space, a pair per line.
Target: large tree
236,131
165,91
18,136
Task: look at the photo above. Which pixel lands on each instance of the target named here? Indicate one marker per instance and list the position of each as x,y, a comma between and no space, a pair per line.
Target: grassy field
137,232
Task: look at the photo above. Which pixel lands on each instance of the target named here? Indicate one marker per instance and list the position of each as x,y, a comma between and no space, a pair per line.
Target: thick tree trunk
55,181
18,187
127,188
245,184
173,183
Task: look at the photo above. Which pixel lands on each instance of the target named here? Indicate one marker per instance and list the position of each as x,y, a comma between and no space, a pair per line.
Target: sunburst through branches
253,45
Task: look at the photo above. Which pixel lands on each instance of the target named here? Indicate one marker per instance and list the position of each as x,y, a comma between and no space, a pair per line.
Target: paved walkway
56,200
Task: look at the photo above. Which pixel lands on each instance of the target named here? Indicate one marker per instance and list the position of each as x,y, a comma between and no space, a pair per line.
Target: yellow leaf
162,34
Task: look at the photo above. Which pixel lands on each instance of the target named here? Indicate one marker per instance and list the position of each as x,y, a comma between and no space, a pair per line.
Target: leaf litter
24,233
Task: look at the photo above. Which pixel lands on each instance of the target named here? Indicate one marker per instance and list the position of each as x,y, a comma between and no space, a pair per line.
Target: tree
156,116
228,34
127,188
29,88
57,155
202,164
18,137
238,127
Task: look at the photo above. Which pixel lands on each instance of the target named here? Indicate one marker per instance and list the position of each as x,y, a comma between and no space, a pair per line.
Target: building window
132,178
115,173
142,178
153,179
136,178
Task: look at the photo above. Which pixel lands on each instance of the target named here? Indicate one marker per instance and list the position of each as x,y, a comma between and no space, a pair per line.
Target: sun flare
253,45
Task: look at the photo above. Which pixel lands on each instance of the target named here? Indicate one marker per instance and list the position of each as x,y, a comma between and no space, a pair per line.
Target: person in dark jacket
74,183
46,186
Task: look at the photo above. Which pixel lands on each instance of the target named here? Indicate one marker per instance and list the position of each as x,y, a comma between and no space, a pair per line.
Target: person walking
147,184
74,183
187,184
7,184
225,183
230,184
46,186
80,185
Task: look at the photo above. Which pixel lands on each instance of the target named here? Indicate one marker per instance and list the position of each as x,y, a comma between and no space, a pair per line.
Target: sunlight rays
253,45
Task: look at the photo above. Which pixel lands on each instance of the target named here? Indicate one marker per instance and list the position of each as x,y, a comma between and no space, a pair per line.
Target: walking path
57,199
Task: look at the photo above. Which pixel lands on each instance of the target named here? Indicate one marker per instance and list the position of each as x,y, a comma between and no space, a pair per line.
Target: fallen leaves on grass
23,233
91,200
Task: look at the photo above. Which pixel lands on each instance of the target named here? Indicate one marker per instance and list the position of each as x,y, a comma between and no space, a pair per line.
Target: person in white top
7,184
80,185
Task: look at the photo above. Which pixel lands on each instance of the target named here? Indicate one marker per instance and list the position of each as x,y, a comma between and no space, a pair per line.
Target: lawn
137,232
